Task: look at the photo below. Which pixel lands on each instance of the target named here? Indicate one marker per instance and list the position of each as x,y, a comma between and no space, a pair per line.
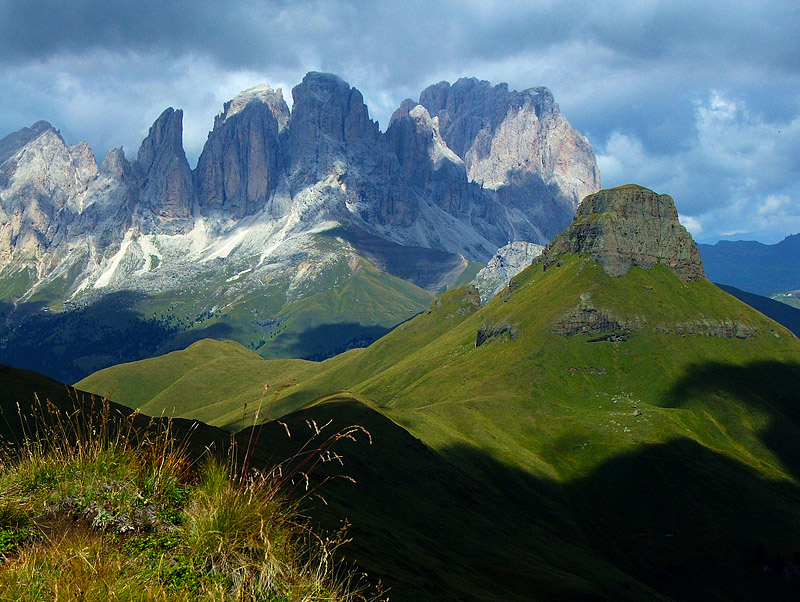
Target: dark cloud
639,78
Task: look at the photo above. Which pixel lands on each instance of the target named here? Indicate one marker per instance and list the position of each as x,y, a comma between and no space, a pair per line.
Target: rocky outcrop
490,332
726,329
509,261
630,226
598,323
239,167
167,189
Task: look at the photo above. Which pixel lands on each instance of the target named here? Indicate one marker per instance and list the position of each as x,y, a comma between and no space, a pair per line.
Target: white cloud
775,204
692,224
91,98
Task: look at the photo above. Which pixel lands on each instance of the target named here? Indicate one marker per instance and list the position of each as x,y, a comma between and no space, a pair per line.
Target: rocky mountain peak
167,187
631,226
329,123
43,186
402,111
418,144
16,140
238,170
165,136
115,164
328,104
464,171
517,144
40,167
257,95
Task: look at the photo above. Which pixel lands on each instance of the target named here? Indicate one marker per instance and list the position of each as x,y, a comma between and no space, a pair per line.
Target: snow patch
149,250
228,245
239,275
105,278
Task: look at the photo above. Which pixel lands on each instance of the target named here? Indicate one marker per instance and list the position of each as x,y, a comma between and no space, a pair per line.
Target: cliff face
167,189
630,226
239,168
517,144
329,118
43,186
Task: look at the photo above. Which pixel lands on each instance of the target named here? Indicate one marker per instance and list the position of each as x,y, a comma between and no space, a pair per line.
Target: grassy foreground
92,508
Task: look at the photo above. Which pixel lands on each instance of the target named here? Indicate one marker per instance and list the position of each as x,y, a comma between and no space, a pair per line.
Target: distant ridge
753,266
780,312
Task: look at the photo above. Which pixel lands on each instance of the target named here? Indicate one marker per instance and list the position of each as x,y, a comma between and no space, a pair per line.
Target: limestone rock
44,184
519,145
327,114
16,140
630,226
426,162
167,189
238,169
458,175
509,261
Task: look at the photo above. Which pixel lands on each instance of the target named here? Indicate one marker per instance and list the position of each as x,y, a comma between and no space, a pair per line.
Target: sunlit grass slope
556,404
218,382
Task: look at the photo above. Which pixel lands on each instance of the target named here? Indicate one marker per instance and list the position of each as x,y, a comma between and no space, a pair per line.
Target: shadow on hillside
30,401
72,344
784,314
326,340
770,387
427,268
543,203
675,518
664,521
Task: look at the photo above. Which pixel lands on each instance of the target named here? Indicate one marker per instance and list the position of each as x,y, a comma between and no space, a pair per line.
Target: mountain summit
630,226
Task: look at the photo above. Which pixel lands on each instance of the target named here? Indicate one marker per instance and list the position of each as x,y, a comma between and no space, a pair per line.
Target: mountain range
284,211
584,417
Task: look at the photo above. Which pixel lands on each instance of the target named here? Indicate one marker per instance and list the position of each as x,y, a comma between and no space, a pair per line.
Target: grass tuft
95,508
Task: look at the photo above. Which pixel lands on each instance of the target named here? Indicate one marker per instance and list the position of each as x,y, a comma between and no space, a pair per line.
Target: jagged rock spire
167,187
239,167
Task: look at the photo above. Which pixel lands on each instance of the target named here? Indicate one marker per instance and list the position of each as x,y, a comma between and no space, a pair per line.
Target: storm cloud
700,100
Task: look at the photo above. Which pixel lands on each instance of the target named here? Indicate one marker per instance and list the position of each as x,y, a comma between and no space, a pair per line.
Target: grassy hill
625,425
612,426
